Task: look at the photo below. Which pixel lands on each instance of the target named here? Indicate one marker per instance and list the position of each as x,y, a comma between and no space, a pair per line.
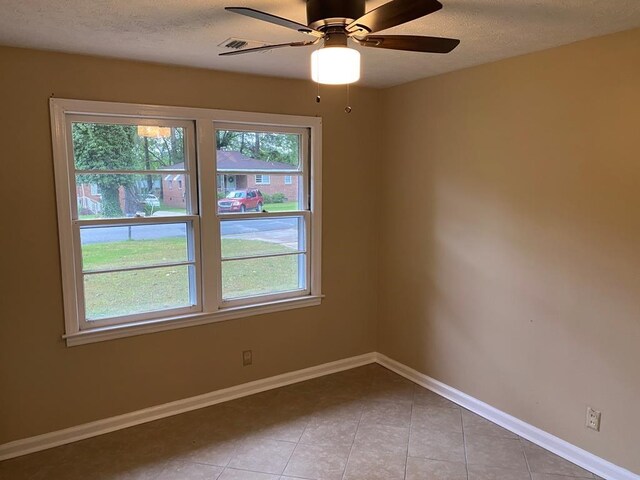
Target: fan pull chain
348,108
318,92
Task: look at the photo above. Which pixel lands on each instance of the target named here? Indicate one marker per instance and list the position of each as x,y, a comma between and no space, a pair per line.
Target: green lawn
133,253
281,207
112,294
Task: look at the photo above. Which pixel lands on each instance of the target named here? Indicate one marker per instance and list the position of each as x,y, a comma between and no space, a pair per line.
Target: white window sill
102,334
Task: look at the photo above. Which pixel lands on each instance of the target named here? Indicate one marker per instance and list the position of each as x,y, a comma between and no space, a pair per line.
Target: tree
105,147
272,147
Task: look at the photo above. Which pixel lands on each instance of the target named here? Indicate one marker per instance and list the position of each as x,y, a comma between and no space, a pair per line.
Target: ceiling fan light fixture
335,65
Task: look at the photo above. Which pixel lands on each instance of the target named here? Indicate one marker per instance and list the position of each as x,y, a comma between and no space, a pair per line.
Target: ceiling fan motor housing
324,13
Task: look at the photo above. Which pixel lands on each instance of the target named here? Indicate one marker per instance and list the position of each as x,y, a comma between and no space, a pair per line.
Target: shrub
274,198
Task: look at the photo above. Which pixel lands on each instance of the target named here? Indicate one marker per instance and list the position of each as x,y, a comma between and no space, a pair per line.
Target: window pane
111,195
242,238
246,193
262,276
133,245
257,151
100,146
128,293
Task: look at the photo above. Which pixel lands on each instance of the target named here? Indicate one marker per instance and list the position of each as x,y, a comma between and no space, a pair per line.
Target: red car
241,201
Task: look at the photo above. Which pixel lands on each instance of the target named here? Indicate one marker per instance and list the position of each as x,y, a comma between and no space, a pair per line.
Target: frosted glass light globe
335,65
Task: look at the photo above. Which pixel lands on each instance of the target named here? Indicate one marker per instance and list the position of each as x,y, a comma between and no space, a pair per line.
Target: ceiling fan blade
267,17
411,43
393,13
268,47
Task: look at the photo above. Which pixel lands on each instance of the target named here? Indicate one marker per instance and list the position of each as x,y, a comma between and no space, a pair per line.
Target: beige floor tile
422,396
543,461
338,409
276,425
189,471
483,472
234,474
329,432
357,424
547,476
424,469
495,452
476,425
436,418
436,445
374,465
317,462
266,456
213,453
386,413
384,438
391,392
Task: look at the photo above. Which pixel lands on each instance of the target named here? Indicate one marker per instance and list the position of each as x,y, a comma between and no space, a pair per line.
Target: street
267,229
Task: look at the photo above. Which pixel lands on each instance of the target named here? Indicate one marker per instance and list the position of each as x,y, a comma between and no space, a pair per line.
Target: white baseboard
586,460
597,465
99,427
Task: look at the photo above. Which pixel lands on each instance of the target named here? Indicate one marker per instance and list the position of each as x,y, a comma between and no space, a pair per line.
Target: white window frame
304,214
288,180
210,307
265,179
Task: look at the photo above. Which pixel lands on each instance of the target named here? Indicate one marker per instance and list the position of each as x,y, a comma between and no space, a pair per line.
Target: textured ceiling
188,32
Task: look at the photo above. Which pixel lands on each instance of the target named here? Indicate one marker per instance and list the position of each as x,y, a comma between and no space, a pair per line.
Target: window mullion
209,227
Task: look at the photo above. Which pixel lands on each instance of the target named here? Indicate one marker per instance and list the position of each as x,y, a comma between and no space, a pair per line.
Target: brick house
174,189
238,172
89,199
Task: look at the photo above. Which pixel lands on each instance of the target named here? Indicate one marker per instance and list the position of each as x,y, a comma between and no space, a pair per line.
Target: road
271,228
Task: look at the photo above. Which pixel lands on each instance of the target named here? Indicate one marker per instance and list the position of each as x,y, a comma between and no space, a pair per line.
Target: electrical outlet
247,358
593,419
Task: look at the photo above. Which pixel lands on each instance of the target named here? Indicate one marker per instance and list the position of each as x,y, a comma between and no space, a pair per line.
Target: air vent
240,44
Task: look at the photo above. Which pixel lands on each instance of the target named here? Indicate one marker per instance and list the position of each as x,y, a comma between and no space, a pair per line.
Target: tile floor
362,424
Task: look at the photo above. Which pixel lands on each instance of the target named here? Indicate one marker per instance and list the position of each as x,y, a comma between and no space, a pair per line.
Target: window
288,179
263,179
95,189
136,259
272,257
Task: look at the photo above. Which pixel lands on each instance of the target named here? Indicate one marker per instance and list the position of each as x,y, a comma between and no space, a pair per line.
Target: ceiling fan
334,22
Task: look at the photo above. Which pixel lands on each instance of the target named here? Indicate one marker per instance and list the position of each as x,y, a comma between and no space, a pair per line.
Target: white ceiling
188,32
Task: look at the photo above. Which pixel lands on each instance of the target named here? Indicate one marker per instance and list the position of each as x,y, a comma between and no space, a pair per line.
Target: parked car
241,201
152,200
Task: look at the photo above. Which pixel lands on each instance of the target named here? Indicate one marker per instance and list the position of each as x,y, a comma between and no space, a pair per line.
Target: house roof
238,162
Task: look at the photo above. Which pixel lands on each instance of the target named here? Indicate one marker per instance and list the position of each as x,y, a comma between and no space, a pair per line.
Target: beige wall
511,255
507,237
46,386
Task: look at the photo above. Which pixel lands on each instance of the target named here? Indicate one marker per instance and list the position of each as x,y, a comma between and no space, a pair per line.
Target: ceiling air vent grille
240,43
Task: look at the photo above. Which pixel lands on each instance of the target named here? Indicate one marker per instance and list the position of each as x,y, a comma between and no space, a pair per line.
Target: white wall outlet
593,419
247,358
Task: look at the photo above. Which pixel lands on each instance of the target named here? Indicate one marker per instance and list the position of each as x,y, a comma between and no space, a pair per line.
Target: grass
281,207
130,253
121,293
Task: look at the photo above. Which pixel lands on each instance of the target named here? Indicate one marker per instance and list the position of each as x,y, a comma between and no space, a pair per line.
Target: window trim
204,120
